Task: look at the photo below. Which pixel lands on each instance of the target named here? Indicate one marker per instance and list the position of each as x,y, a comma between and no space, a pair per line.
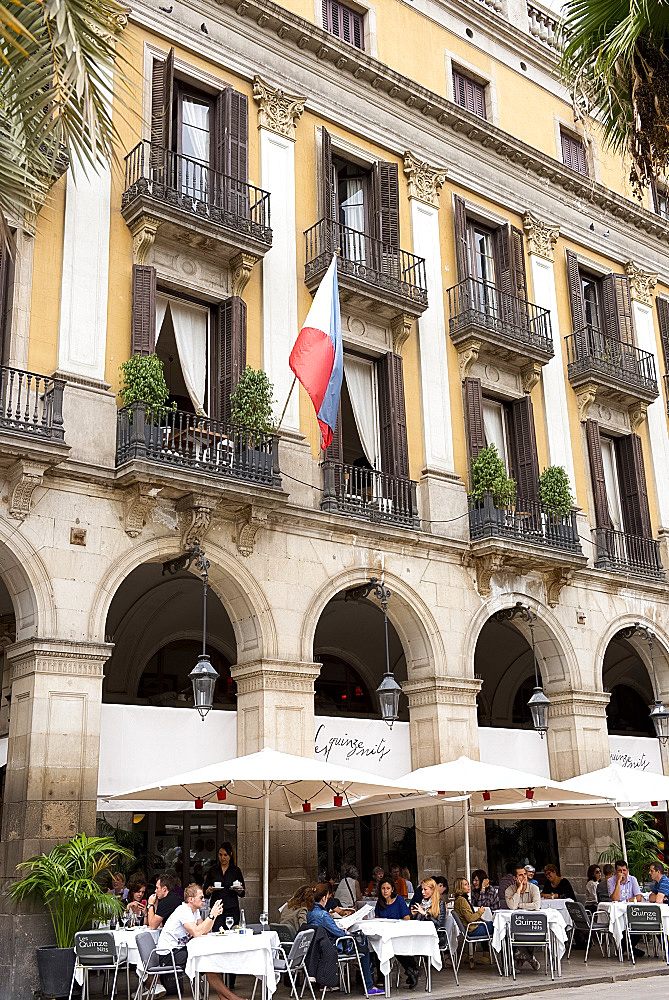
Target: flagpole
283,413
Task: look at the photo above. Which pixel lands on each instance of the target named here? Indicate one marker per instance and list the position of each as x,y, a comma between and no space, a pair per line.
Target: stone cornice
275,675
580,703
442,691
57,656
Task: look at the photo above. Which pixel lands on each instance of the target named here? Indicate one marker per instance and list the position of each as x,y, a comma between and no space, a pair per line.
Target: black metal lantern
388,692
658,713
538,706
538,703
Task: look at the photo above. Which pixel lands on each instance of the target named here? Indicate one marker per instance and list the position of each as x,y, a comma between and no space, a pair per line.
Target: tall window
343,22
495,428
610,464
482,253
469,94
591,302
573,152
660,199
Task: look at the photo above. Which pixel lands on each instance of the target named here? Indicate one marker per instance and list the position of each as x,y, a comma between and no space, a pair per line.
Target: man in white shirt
186,923
623,887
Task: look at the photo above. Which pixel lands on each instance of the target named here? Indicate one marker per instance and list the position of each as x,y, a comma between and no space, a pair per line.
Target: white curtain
493,426
611,480
196,115
162,303
353,211
360,383
190,333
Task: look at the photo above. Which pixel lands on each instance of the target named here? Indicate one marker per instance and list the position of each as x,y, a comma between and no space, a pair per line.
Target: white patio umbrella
267,780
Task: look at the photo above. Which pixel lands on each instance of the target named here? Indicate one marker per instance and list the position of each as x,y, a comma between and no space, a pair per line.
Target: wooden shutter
663,323
469,94
392,416
162,95
601,500
229,354
524,448
335,453
504,279
573,153
617,307
576,302
460,226
632,481
328,193
473,405
234,113
519,275
344,23
143,321
387,199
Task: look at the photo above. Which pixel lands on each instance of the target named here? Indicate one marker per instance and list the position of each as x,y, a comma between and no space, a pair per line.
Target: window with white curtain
186,325
611,480
494,427
360,374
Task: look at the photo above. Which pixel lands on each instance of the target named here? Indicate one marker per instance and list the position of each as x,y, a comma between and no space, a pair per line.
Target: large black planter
55,966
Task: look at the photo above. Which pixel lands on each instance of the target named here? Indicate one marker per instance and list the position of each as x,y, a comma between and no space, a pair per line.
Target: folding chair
589,923
531,930
293,962
645,919
469,938
345,960
445,950
146,946
285,932
97,951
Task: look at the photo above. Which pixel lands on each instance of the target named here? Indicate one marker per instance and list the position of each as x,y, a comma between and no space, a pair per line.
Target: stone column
52,774
275,708
443,726
541,239
278,114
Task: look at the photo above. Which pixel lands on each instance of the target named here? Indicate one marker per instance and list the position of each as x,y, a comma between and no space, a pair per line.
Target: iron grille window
469,94
343,22
573,153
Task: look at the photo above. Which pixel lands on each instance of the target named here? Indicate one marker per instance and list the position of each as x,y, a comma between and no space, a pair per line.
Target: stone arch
28,583
640,646
412,619
242,597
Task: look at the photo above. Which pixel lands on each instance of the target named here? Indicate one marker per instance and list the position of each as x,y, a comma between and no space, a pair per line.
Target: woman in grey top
294,913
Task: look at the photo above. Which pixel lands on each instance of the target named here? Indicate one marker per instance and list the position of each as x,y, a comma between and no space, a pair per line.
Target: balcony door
183,344
195,115
353,189
495,426
611,479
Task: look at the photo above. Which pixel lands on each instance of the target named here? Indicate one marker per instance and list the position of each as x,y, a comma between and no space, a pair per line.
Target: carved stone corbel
585,397
277,111
400,327
143,231
249,522
637,413
555,581
530,375
194,514
485,568
541,237
240,271
468,355
642,283
22,479
139,501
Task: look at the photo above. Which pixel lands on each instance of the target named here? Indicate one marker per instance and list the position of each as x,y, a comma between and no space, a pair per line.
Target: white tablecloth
617,916
401,937
125,938
561,905
556,925
243,954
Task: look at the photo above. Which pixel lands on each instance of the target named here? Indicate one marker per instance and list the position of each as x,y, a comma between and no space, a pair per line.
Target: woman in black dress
231,888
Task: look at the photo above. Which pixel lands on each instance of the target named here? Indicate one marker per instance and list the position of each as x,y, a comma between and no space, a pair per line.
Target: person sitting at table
660,888
136,897
348,891
594,877
442,885
294,913
406,875
558,887
373,885
118,882
623,887
469,916
163,902
431,905
399,880
391,906
186,923
509,878
482,892
523,896
319,917
603,884
531,871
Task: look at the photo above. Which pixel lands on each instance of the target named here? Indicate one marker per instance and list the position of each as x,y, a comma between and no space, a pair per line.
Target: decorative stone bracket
485,568
585,397
555,581
249,522
637,413
143,231
194,513
530,375
642,283
486,565
139,501
241,267
400,327
22,479
468,355
278,112
541,237
425,181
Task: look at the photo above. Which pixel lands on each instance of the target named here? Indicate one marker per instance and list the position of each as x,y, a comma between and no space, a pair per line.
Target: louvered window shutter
519,280
663,323
504,277
392,416
573,153
386,177
460,226
229,358
601,501
469,94
335,453
632,480
162,94
576,302
344,23
143,321
617,307
524,448
473,403
230,143
328,193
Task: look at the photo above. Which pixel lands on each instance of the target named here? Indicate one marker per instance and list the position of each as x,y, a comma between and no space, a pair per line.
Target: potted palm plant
251,408
68,883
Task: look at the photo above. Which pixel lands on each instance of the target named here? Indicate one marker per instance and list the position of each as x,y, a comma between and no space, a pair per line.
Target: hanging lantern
306,807
538,706
660,717
221,794
203,677
199,803
339,800
388,692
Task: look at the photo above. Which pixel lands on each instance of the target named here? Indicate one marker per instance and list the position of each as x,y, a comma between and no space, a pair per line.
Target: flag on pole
317,357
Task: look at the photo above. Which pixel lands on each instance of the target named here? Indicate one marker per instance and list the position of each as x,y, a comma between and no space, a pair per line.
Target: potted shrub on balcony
491,482
251,409
143,381
68,883
555,495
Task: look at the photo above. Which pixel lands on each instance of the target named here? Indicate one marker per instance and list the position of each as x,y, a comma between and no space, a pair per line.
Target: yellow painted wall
47,271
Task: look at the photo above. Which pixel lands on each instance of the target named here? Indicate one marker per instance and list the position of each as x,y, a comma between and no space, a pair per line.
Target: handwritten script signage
365,744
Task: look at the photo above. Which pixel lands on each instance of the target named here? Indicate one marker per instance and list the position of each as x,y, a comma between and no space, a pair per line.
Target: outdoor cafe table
617,913
402,937
556,926
241,954
124,938
561,905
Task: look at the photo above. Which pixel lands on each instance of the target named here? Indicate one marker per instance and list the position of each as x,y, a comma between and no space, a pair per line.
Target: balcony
195,204
623,553
184,443
366,493
610,370
496,326
372,274
31,417
523,538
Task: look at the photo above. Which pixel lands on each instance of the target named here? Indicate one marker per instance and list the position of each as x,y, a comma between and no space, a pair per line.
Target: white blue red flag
317,357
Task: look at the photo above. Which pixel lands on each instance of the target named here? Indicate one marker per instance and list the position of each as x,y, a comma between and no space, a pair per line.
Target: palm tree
57,58
615,58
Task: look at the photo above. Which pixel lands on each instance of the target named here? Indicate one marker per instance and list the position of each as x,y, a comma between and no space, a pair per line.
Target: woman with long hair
225,881
594,878
294,913
431,904
391,906
468,915
483,893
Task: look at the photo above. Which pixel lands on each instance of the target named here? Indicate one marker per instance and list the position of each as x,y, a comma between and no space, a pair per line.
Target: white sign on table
241,954
617,913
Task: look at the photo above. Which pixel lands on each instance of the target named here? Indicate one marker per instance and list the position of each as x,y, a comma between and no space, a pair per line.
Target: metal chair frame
445,948
293,962
656,932
470,939
345,960
596,923
154,969
527,939
116,956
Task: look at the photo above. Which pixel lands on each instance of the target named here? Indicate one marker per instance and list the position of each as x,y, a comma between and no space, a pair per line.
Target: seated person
120,890
441,883
294,913
623,887
399,880
523,896
186,923
555,886
319,917
391,906
509,878
373,886
530,869
482,892
137,898
469,916
348,890
594,877
431,905
163,902
603,884
660,890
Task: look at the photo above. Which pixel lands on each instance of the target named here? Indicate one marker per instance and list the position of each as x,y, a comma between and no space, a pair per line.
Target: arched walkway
640,647
28,584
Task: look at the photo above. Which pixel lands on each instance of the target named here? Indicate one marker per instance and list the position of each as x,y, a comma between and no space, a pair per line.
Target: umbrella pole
465,816
623,845
265,859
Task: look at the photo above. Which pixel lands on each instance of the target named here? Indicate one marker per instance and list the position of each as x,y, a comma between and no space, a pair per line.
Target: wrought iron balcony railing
367,493
31,404
528,521
185,440
364,257
616,550
194,187
478,303
590,353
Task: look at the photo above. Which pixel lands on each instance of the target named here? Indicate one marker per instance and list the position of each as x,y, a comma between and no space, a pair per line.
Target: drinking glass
263,921
229,922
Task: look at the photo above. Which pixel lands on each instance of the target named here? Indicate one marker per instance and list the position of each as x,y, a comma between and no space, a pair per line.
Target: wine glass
229,922
264,920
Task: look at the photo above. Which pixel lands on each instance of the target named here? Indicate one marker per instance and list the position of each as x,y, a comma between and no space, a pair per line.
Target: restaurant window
573,152
340,689
469,94
185,843
344,22
164,680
